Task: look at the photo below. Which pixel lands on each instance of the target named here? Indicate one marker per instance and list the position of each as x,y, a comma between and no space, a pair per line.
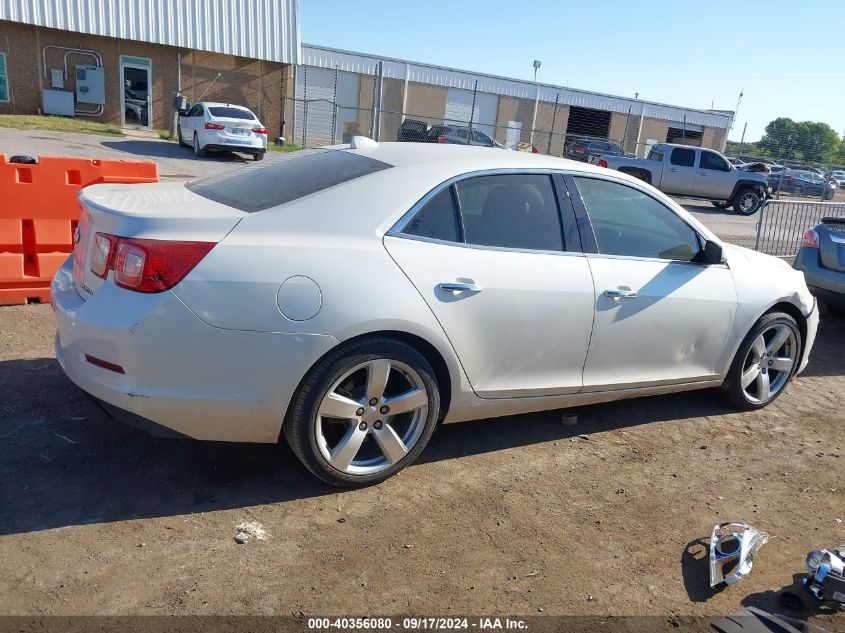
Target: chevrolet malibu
351,298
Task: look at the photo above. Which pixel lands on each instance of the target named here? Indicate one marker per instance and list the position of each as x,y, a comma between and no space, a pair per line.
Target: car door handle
673,170
619,293
459,286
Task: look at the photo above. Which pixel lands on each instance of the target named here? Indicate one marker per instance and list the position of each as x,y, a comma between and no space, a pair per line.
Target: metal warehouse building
123,61
335,93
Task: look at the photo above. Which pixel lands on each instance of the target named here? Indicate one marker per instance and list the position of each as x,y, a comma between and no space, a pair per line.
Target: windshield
231,113
283,178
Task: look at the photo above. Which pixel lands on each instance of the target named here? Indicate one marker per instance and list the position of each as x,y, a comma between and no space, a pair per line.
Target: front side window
461,133
628,222
438,219
511,211
709,160
683,157
481,137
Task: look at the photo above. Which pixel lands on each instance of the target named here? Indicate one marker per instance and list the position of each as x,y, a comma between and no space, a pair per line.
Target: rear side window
511,211
656,154
231,113
283,178
438,219
683,157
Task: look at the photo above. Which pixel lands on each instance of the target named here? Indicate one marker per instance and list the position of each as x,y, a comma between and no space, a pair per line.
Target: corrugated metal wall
365,64
257,29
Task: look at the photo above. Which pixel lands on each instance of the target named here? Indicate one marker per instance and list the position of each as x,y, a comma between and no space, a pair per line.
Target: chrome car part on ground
732,550
826,578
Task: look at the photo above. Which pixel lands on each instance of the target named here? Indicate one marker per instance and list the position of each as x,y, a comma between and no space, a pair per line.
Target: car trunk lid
167,211
832,243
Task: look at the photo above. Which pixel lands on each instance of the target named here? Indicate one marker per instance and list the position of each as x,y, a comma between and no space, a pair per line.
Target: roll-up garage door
459,108
317,86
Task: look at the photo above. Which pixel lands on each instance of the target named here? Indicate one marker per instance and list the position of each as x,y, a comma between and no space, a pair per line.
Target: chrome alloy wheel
371,417
749,201
769,363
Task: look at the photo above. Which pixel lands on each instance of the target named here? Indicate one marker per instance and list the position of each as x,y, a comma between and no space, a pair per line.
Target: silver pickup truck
694,172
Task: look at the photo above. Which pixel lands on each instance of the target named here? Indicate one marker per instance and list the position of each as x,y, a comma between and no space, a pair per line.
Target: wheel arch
637,172
795,312
429,352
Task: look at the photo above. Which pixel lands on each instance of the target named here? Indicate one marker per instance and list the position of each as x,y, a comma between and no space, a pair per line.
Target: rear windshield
232,113
283,178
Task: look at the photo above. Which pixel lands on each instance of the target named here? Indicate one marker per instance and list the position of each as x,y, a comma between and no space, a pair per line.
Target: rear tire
364,443
746,201
258,156
198,151
765,362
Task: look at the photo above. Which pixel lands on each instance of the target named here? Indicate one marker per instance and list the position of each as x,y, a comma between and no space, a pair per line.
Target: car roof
469,158
215,104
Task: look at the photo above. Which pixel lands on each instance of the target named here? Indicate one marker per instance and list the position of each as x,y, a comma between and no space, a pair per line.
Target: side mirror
712,253
182,105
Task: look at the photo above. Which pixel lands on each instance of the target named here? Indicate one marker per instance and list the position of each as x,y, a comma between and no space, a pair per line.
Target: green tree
809,141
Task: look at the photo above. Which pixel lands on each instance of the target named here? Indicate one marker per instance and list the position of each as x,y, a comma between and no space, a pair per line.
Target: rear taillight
214,126
602,162
810,239
579,150
260,130
146,265
101,258
441,139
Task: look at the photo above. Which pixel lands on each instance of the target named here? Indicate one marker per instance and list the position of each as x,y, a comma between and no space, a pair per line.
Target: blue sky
787,56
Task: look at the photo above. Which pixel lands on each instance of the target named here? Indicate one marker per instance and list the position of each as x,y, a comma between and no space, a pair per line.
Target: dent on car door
489,257
661,317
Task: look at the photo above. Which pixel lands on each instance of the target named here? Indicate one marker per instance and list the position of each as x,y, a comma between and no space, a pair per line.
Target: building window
4,79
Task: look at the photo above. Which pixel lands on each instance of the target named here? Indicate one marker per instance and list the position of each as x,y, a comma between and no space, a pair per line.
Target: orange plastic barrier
39,211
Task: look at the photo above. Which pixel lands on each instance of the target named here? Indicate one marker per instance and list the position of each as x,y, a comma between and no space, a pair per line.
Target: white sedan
220,127
349,298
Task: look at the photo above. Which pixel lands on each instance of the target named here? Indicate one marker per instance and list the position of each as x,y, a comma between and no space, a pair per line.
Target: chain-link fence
805,160
331,107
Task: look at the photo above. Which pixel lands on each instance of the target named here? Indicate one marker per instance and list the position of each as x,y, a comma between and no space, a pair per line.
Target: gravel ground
517,515
511,515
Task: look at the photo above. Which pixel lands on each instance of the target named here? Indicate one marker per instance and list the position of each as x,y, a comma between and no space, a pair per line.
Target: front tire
258,156
721,204
182,142
364,413
747,201
765,362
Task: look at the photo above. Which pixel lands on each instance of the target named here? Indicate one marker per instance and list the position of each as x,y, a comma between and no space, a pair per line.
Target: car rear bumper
820,280
229,147
179,373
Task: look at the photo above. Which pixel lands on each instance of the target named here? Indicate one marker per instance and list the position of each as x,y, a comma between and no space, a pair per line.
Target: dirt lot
514,515
518,515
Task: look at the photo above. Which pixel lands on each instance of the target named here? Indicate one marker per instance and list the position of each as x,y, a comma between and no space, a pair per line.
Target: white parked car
350,298
217,127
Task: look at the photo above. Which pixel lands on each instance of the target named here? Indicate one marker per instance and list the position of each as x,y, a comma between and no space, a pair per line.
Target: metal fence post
377,98
334,108
552,131
304,106
472,110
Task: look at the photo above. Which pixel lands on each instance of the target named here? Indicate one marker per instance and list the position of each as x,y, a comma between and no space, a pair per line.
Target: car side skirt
463,411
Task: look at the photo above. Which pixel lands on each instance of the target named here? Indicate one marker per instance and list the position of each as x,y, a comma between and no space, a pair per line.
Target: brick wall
252,83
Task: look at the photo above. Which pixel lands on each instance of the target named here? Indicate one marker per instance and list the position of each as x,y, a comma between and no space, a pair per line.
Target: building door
514,132
459,109
136,88
314,123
